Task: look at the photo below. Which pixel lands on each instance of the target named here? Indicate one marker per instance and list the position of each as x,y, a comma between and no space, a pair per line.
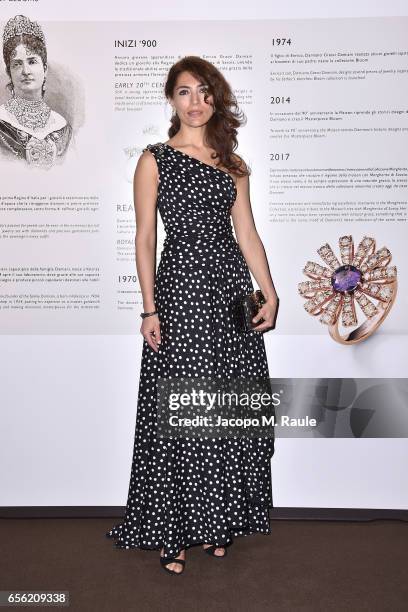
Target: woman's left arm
253,250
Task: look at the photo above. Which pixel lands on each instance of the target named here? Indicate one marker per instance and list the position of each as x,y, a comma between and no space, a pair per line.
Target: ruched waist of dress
207,233
192,246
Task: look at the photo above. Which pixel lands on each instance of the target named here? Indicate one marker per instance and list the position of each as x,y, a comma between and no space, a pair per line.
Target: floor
301,565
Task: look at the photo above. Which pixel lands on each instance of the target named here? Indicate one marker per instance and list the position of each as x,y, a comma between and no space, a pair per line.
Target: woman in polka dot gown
188,491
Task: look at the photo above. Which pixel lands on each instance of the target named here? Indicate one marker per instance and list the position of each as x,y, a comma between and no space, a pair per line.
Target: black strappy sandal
165,562
211,551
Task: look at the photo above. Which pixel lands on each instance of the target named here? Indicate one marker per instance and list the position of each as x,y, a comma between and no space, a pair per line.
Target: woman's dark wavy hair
33,44
221,129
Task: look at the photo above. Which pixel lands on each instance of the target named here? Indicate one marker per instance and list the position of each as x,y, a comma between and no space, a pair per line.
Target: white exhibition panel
69,376
68,434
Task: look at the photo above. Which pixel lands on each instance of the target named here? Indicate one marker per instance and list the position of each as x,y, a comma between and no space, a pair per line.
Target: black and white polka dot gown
187,491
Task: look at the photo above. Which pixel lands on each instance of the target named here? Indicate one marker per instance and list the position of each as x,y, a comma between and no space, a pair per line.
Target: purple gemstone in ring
346,278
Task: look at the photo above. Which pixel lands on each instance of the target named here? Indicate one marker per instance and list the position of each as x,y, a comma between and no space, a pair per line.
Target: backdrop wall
327,119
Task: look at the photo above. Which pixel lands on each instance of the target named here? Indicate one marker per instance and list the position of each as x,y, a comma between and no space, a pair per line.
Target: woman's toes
219,552
176,567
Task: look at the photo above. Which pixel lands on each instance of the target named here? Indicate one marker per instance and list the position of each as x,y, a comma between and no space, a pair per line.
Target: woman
29,128
196,491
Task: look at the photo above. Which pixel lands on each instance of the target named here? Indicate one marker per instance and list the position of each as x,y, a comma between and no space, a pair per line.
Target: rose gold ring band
369,326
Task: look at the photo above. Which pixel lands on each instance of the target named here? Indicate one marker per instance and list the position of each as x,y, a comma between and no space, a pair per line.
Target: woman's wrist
144,315
271,298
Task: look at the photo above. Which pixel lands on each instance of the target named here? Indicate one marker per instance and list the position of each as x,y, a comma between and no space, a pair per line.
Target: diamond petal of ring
335,290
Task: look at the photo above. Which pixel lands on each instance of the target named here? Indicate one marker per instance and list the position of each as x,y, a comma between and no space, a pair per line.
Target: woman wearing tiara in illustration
29,128
196,491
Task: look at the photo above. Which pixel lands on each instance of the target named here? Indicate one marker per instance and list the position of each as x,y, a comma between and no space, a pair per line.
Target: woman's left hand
267,313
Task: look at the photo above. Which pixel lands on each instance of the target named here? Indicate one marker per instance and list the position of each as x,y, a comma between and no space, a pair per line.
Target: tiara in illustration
22,25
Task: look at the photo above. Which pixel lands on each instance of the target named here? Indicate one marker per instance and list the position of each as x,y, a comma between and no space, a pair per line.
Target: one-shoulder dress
187,491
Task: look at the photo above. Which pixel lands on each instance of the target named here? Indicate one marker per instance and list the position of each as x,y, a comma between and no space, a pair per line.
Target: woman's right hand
150,330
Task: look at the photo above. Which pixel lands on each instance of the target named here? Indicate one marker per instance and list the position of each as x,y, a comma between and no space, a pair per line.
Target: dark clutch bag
246,308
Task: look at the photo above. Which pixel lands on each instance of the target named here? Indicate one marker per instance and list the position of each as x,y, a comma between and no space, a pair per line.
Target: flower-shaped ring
335,289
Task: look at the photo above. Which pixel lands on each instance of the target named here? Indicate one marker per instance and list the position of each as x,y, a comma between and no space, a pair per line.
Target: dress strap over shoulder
156,149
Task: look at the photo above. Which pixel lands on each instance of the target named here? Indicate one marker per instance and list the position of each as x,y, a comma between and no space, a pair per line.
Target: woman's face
189,102
27,72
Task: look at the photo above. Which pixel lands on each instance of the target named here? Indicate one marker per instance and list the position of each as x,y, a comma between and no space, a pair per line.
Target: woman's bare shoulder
146,167
147,159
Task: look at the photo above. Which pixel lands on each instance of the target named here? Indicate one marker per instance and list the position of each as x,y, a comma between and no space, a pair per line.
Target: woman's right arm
145,184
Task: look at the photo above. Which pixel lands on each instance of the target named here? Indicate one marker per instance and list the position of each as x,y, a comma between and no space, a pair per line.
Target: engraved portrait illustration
31,129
